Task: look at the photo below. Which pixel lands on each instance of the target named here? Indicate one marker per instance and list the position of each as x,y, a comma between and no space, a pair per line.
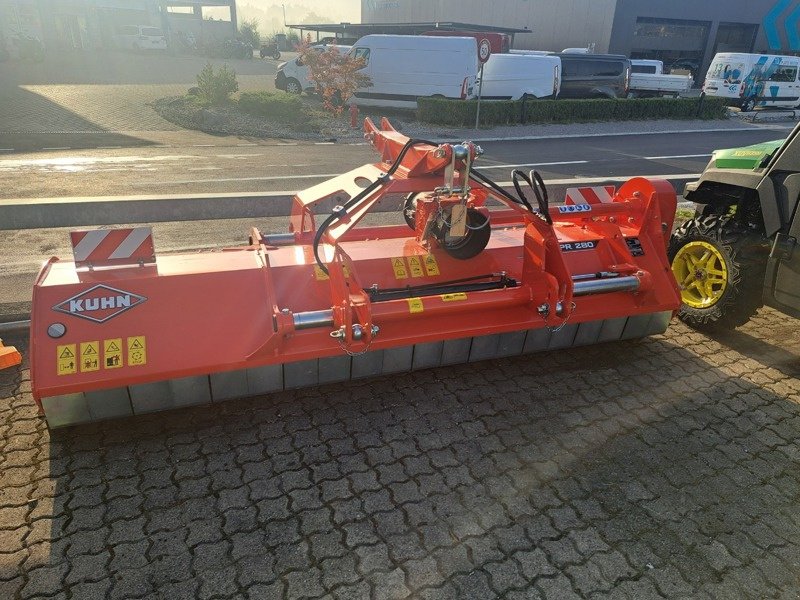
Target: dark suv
594,75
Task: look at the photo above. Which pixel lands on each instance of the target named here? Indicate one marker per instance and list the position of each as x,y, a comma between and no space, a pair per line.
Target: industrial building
685,30
91,24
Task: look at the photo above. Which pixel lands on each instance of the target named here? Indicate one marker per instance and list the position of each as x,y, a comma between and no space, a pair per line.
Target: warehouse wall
554,25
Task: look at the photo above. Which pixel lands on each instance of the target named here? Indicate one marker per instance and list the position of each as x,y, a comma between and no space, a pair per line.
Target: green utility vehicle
740,251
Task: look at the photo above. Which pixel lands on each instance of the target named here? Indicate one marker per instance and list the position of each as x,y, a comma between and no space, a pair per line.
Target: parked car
512,76
648,80
594,75
293,75
751,80
140,37
403,68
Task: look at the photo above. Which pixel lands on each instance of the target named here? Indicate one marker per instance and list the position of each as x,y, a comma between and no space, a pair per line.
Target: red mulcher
120,331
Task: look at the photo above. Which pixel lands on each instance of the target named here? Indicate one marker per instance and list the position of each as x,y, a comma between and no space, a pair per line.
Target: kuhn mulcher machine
120,331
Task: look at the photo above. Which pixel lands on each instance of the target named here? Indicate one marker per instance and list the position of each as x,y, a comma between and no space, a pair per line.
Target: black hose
515,176
382,180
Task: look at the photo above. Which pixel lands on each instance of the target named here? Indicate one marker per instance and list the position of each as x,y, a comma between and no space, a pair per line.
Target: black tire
748,104
744,254
293,86
276,55
473,242
409,210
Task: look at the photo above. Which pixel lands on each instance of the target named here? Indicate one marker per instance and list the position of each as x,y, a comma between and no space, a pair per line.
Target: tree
336,75
249,33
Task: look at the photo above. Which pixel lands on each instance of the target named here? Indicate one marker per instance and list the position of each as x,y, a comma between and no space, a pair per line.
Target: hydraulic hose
382,180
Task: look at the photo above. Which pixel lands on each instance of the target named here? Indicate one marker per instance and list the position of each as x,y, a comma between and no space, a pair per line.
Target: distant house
92,24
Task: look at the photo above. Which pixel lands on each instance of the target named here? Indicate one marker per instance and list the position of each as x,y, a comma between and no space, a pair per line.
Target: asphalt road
201,169
235,166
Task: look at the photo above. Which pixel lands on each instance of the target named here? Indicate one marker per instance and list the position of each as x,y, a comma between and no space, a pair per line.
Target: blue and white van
755,80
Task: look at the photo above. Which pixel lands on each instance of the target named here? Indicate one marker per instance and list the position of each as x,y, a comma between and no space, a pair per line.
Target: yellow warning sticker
137,351
458,296
431,266
399,267
112,353
90,356
415,305
323,276
320,274
66,359
415,266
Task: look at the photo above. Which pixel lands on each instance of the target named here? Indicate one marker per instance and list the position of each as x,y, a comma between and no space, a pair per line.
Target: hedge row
460,113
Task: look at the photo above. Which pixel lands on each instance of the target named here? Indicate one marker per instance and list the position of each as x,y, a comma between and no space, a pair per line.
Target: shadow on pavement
29,121
651,468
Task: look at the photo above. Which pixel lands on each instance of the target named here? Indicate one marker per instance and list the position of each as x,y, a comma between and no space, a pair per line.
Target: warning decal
137,351
454,297
415,266
399,267
431,266
415,305
323,276
90,356
112,353
66,359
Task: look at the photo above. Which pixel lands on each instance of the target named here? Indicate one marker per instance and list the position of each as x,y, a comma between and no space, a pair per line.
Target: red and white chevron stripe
590,195
113,246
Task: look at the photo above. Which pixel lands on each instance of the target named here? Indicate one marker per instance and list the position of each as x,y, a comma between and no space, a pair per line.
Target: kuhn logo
99,304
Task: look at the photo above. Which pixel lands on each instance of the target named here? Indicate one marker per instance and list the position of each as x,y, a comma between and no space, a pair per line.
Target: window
587,67
784,74
651,69
152,31
362,53
128,30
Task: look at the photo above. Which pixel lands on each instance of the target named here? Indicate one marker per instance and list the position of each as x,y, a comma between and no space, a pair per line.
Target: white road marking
229,179
205,168
676,156
592,180
547,164
203,145
58,148
243,145
596,135
6,149
572,181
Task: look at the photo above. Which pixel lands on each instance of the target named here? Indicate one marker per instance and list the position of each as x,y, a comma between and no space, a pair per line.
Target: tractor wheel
719,267
478,232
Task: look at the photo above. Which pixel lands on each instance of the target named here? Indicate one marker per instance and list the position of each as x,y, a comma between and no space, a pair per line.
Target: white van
403,68
293,77
754,79
140,37
510,76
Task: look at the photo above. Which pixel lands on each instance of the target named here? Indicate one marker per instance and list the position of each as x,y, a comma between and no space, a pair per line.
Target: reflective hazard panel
415,305
431,266
112,353
415,266
399,268
137,351
90,356
66,359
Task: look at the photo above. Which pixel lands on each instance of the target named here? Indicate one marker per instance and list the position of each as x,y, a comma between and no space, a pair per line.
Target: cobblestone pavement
666,467
84,92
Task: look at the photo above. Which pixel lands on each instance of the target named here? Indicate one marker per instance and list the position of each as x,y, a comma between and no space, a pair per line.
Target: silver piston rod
582,287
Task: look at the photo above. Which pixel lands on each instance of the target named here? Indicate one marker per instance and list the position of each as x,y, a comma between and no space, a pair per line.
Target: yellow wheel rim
701,273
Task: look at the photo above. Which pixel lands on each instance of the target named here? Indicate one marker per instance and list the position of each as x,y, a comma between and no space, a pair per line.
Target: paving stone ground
666,467
81,92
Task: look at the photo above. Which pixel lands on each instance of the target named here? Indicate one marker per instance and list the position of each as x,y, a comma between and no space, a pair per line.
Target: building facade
678,30
92,24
